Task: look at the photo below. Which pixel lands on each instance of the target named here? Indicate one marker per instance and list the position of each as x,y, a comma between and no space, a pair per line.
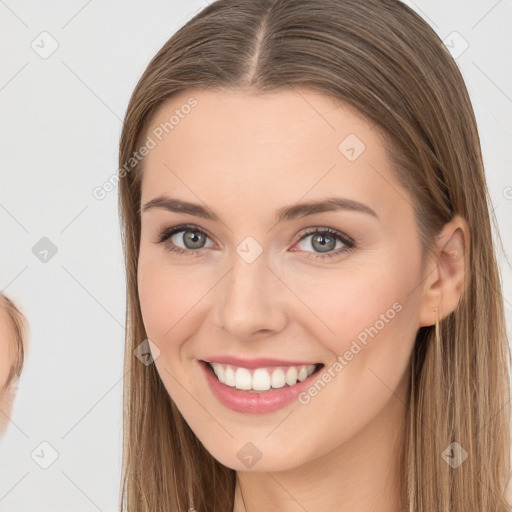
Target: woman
310,268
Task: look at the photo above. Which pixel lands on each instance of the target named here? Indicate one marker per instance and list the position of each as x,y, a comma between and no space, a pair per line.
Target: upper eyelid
341,234
173,230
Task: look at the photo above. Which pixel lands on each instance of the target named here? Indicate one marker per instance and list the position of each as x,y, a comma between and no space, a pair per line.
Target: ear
445,273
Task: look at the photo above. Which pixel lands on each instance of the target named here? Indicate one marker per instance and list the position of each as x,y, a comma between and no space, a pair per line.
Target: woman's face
261,289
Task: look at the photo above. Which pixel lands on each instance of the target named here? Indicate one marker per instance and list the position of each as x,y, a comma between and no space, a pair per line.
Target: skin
246,156
7,387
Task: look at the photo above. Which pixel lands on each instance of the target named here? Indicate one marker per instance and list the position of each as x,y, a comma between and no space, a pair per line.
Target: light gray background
60,127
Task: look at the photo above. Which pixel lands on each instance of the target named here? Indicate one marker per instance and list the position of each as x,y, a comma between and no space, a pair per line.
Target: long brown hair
384,60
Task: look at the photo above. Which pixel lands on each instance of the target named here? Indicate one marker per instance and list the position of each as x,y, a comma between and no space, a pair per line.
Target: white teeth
243,379
220,372
278,378
261,379
303,373
229,377
291,376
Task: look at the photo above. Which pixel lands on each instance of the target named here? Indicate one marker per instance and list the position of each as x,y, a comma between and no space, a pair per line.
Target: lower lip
256,403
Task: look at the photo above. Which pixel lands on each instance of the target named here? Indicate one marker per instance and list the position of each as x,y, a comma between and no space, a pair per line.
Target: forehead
250,119
284,145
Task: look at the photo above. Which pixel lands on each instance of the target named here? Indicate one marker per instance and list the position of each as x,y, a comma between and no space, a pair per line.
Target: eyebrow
287,213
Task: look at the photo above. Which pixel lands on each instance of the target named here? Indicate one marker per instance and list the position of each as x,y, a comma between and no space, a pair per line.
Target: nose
252,300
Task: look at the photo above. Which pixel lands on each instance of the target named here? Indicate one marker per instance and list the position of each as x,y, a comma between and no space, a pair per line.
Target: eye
193,238
325,240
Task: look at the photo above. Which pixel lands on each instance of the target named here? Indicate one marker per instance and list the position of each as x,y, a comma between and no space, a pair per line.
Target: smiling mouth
260,380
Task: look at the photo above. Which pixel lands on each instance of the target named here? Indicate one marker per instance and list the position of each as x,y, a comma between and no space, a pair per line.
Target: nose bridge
249,296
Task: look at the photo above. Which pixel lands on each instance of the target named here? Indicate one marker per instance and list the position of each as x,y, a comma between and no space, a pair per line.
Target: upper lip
260,362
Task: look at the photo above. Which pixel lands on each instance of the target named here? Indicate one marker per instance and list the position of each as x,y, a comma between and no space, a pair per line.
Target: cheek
169,298
371,310
153,301
169,306
159,292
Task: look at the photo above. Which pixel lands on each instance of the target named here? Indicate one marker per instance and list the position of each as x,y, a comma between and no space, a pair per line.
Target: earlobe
444,284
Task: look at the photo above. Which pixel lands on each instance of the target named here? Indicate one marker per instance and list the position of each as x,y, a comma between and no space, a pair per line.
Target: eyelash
346,240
